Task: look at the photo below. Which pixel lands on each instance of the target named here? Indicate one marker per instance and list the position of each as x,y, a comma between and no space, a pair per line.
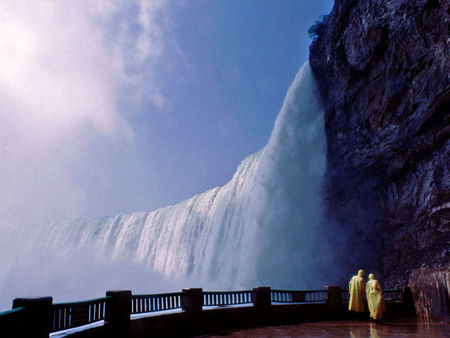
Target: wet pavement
397,328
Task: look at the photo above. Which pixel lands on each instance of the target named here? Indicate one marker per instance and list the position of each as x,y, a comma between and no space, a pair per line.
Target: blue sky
115,107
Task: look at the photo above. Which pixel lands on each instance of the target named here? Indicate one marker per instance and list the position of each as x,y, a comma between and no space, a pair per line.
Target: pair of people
374,295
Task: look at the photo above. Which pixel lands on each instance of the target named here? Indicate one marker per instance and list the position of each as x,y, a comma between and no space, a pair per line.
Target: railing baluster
158,302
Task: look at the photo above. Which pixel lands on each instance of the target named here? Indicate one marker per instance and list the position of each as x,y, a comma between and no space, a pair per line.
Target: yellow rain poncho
375,299
356,289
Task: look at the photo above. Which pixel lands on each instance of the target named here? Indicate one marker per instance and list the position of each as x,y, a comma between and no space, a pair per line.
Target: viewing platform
185,314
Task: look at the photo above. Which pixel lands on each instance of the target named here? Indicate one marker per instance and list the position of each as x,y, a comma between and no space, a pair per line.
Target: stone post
192,300
37,317
334,302
334,298
408,301
261,298
262,304
118,311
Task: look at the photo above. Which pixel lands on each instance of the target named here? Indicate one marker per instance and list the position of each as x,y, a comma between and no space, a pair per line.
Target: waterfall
258,229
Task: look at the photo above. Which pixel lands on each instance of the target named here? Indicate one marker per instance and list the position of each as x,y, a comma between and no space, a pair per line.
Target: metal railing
158,302
223,298
298,296
62,316
394,295
70,315
345,296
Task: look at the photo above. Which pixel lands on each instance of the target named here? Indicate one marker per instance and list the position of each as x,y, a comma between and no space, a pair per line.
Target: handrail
155,302
223,298
118,305
298,296
390,295
73,314
11,312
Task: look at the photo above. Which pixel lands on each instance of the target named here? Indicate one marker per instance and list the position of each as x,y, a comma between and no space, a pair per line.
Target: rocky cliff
431,290
383,71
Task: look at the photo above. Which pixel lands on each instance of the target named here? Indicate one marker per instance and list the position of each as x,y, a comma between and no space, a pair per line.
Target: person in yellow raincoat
356,289
375,299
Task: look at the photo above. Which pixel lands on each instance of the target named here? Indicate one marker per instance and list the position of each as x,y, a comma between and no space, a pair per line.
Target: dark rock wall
431,292
383,72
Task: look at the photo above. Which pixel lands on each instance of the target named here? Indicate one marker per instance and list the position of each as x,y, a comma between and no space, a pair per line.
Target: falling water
258,229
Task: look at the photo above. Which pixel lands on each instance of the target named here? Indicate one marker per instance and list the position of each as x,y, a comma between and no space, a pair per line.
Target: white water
258,229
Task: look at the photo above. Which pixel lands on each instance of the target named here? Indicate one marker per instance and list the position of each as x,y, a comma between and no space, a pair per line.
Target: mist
84,89
67,146
263,226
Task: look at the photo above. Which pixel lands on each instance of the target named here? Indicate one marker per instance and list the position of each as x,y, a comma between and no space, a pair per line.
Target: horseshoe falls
261,228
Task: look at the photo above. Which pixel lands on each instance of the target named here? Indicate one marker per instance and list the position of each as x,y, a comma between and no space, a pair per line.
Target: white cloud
57,71
63,65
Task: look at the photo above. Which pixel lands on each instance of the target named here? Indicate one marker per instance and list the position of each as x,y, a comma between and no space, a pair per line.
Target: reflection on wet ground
397,328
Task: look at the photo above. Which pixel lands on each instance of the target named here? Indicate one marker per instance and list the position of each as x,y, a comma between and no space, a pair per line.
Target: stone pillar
334,298
37,319
408,301
334,302
261,298
262,304
118,311
192,300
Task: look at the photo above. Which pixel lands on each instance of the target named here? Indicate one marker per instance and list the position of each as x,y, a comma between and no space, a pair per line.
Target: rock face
383,70
431,292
